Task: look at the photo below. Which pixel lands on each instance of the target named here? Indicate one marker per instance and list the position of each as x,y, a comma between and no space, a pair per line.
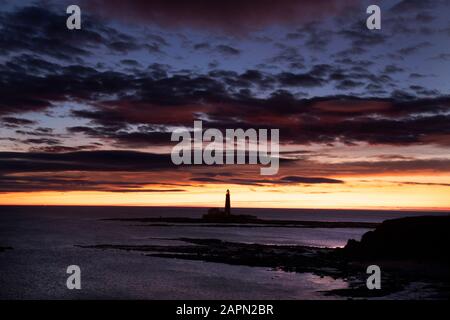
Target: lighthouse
224,216
227,203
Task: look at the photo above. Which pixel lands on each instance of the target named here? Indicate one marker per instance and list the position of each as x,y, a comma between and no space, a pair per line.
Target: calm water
43,239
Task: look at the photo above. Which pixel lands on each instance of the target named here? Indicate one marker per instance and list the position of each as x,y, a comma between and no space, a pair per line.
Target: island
216,217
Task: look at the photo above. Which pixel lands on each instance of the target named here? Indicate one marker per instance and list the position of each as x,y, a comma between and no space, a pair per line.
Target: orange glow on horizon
386,193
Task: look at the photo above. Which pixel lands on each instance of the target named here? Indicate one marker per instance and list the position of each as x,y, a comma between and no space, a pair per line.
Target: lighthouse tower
227,203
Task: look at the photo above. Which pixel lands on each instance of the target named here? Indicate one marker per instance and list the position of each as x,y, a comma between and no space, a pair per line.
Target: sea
45,241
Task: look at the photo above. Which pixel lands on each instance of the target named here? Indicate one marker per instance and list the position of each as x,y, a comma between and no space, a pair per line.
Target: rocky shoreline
394,245
243,221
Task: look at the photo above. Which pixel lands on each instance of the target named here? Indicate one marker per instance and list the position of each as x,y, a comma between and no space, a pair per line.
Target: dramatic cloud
288,180
93,109
232,15
42,31
61,183
160,99
144,172
83,161
15,122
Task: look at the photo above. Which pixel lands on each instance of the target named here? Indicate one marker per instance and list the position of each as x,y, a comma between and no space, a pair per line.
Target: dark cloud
316,37
261,182
414,48
382,131
47,141
24,90
16,122
40,132
232,15
153,48
422,183
392,69
416,75
400,166
61,148
360,38
422,91
67,183
348,84
14,162
118,100
406,6
308,180
202,46
299,80
288,55
143,136
130,62
351,52
42,31
89,170
371,167
227,50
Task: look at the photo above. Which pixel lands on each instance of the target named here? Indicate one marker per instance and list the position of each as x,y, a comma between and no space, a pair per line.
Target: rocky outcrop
413,238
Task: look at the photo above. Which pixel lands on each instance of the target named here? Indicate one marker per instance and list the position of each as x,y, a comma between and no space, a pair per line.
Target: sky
86,115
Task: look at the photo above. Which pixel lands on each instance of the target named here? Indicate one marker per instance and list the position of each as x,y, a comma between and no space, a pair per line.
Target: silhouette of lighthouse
227,203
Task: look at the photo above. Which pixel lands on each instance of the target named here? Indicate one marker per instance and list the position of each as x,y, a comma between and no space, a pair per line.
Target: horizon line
404,209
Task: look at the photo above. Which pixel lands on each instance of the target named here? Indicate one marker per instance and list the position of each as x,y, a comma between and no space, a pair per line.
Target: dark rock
412,238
